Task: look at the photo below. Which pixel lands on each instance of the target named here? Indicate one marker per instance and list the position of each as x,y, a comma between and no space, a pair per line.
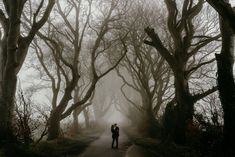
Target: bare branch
204,94
225,10
193,69
37,25
156,42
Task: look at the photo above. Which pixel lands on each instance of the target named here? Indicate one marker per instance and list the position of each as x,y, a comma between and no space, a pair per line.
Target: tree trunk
226,84
56,114
75,121
87,118
7,91
54,125
77,111
184,108
8,78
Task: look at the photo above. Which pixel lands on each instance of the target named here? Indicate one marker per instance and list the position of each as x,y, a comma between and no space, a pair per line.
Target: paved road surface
102,147
137,151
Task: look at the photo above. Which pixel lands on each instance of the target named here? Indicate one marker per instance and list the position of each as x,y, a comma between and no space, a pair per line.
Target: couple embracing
115,134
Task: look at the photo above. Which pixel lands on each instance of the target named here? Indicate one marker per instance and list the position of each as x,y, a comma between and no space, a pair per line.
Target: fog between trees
159,67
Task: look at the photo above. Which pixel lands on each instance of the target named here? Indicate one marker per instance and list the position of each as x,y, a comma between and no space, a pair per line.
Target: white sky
232,2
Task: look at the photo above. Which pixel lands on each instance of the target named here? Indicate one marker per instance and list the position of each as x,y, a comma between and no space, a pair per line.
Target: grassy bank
158,148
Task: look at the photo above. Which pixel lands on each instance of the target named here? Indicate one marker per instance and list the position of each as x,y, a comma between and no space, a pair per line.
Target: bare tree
66,44
210,112
150,78
226,85
30,123
23,117
143,71
186,43
14,47
225,62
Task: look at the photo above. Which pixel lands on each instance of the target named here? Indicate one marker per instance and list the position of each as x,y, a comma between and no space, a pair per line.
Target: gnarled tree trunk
54,125
8,73
56,114
184,108
7,90
226,85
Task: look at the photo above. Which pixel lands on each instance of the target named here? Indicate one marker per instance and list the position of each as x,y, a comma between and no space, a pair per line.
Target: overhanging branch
158,45
193,69
225,10
204,94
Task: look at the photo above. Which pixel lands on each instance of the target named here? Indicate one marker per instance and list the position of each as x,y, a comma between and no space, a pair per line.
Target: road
102,146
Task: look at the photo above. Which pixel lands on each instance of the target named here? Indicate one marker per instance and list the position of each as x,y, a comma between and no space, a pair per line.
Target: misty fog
123,78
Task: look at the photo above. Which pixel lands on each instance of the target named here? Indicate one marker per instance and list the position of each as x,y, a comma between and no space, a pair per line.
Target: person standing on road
115,135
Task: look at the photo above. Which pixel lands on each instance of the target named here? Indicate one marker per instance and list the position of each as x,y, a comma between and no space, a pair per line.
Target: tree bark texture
54,126
8,74
226,85
184,108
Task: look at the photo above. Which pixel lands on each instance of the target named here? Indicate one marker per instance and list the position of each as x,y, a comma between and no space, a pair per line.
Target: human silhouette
115,135
112,128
